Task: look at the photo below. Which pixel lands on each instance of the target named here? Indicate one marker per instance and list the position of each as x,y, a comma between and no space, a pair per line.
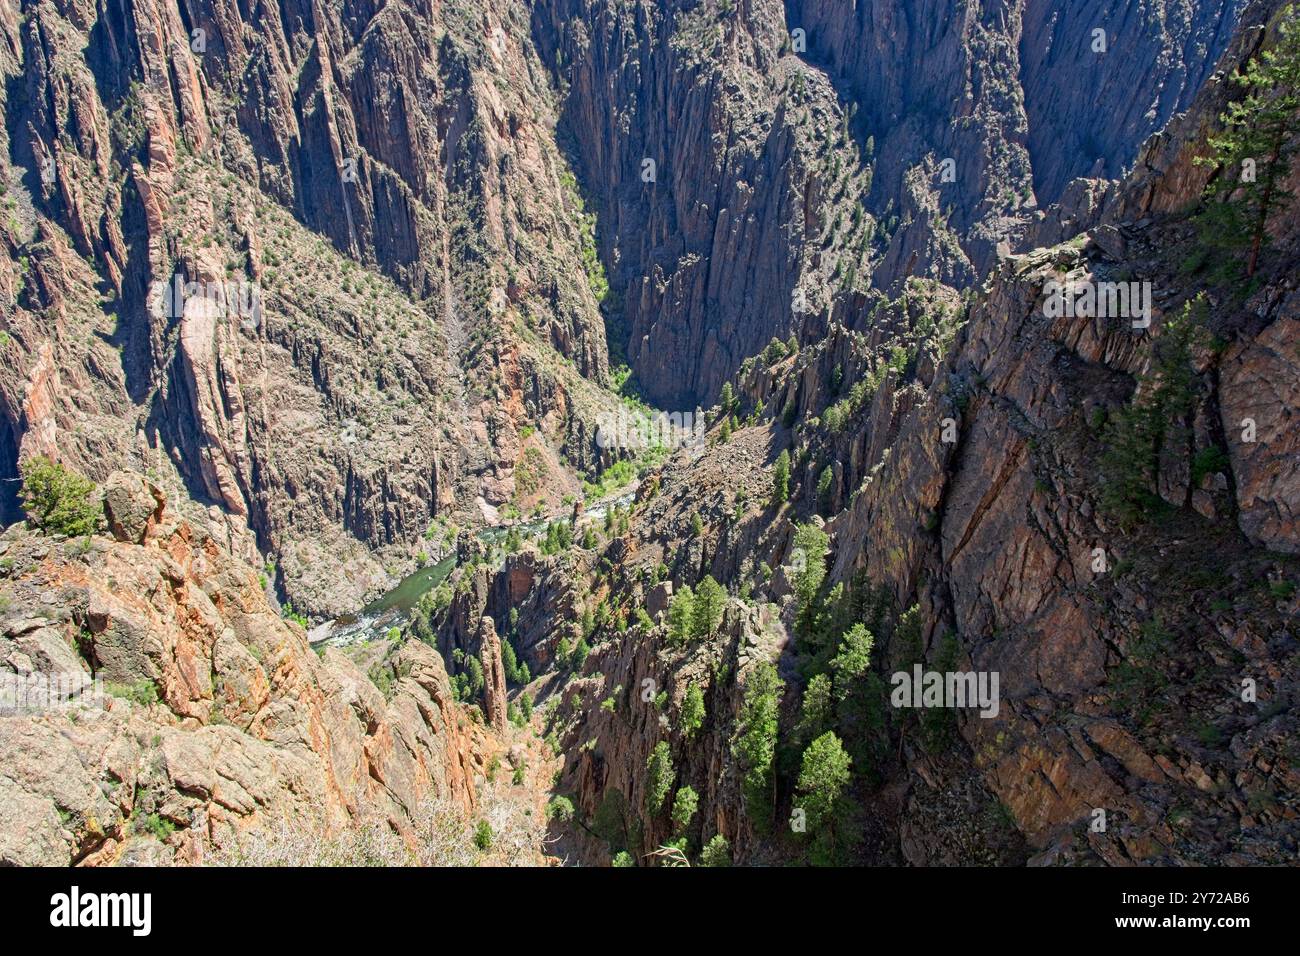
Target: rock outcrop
494,675
218,718
958,449
257,255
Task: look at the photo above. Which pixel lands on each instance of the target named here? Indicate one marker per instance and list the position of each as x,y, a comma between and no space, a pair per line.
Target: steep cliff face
220,722
722,175
349,389
952,125
1022,96
962,451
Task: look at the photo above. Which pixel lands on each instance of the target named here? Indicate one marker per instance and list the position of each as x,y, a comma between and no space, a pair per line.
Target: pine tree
755,745
685,804
817,712
1253,154
853,659
717,852
727,401
823,777
1157,416
781,479
692,714
825,489
660,774
57,500
709,602
681,612
810,544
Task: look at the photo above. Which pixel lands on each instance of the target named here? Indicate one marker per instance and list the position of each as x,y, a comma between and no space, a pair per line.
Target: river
393,608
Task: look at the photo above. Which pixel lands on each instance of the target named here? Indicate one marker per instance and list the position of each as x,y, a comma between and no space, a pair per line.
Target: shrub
58,501
143,692
717,852
685,804
560,808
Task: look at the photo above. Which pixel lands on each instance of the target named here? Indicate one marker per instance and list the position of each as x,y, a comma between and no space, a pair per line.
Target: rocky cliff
218,722
752,162
318,271
958,451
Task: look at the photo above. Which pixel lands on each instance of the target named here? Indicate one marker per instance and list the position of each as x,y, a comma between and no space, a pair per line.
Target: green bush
560,808
717,852
58,501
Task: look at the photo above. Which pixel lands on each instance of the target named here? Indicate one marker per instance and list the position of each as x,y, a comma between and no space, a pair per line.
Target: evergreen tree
681,612
1158,416
728,401
1253,154
825,489
781,479
717,852
817,712
692,715
853,659
57,500
685,804
710,600
755,745
810,544
660,774
823,777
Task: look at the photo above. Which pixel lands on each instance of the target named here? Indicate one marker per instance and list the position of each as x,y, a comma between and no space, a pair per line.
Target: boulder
133,506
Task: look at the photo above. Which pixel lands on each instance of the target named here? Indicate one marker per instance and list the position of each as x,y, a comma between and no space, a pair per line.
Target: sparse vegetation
58,501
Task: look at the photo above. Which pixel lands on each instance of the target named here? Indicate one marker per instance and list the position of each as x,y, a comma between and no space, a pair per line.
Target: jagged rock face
737,235
1018,95
204,145
235,722
494,675
709,258
997,532
994,533
133,506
